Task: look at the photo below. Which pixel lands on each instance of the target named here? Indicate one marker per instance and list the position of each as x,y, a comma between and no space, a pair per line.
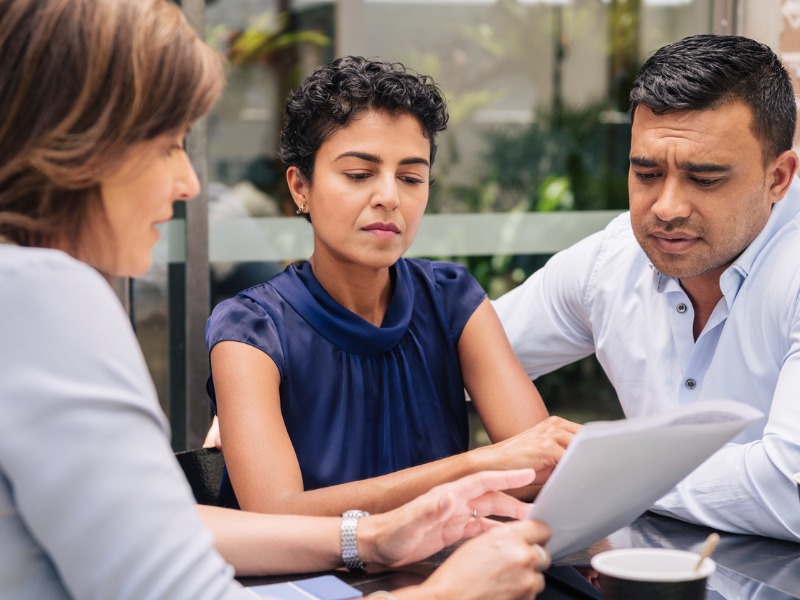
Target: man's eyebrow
379,161
703,167
692,167
641,161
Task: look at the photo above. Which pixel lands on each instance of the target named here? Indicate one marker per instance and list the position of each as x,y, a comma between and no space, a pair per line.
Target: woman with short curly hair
342,379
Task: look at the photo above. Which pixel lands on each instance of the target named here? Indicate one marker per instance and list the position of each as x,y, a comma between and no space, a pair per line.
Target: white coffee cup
652,573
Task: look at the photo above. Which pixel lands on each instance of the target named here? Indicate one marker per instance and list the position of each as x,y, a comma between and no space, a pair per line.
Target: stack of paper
614,471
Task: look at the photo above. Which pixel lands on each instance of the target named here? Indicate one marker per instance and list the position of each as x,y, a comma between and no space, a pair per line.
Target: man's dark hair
703,72
335,93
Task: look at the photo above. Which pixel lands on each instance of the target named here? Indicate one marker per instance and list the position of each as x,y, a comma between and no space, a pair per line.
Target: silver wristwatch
349,544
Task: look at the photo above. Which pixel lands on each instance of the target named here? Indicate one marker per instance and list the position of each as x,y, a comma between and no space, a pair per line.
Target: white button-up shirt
603,295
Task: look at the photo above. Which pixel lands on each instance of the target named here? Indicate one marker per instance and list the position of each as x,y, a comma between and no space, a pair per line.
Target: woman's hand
539,448
503,564
213,439
442,516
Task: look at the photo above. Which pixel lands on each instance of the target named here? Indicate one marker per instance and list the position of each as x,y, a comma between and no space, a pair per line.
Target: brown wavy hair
81,83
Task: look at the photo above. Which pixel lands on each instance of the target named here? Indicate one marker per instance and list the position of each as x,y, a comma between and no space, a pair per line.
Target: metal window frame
726,17
189,293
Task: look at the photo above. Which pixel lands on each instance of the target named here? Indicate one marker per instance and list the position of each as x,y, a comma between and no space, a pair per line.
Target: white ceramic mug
652,573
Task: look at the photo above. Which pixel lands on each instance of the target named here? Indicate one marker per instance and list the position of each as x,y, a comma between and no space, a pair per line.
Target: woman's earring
301,210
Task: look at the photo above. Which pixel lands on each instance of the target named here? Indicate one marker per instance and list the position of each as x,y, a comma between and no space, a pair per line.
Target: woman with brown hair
96,97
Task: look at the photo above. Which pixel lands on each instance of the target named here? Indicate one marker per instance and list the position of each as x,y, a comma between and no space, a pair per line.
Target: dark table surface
748,567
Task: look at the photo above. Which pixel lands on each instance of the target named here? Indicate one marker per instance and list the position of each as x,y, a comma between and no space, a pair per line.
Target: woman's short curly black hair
335,93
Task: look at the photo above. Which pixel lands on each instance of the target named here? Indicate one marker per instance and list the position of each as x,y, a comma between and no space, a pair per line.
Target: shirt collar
783,213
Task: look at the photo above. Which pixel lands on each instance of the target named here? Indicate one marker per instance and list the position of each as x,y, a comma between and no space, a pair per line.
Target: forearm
258,544
537,448
739,489
418,592
267,544
375,495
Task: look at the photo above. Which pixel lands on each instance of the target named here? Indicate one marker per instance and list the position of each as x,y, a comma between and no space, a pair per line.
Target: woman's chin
133,268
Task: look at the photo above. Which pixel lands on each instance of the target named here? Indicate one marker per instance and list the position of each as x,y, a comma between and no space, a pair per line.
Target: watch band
349,541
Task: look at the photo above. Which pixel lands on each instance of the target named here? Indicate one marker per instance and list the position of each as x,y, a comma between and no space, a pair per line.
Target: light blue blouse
92,501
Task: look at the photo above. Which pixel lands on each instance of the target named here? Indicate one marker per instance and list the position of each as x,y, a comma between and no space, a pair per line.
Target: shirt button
691,384
681,308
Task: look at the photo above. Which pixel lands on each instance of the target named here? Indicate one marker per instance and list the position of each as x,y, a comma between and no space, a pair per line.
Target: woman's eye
356,176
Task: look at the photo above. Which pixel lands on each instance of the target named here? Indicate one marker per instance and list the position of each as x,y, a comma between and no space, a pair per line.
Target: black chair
203,468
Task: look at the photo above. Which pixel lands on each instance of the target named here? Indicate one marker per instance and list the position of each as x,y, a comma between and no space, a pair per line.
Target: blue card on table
324,587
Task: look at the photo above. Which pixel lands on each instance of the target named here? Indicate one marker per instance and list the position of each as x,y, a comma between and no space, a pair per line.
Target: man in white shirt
694,294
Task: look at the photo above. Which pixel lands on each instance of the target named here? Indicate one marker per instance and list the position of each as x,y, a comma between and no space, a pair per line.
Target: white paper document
613,471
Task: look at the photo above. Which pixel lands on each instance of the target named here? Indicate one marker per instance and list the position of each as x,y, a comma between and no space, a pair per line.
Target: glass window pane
538,132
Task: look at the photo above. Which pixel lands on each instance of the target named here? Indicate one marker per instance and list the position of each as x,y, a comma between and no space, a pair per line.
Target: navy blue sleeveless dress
358,400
